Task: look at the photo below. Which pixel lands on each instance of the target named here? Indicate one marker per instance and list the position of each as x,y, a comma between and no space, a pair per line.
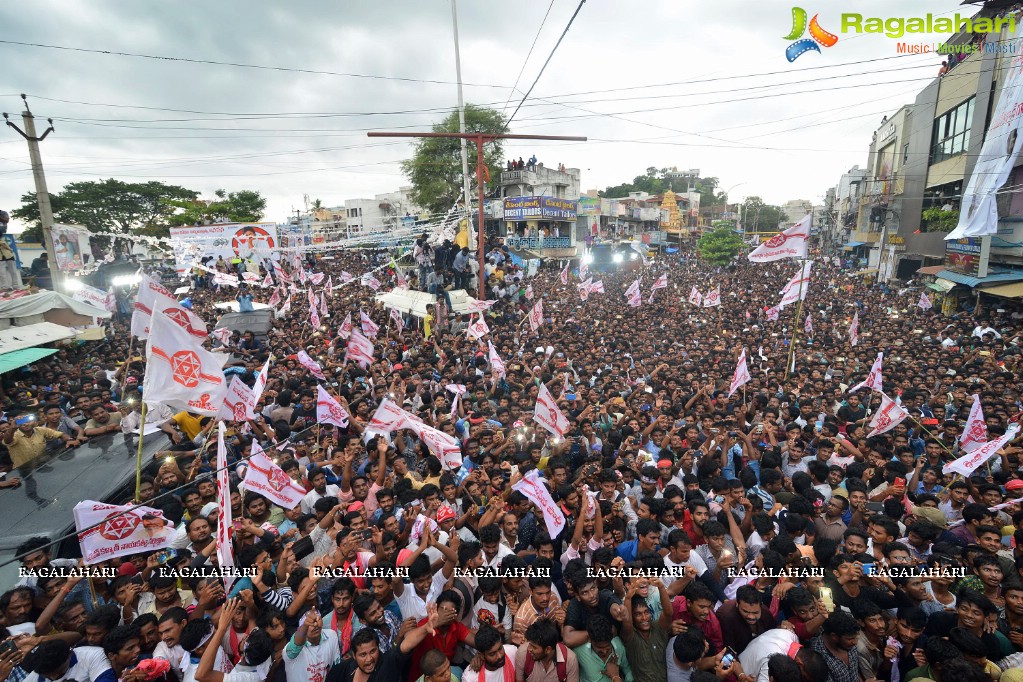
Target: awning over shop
26,356
852,245
971,281
17,338
1014,290
930,270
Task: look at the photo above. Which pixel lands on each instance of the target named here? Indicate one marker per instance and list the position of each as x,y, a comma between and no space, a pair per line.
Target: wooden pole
795,327
138,456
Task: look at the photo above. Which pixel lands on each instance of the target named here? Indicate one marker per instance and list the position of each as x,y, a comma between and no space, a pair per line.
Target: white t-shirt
502,552
494,611
90,663
245,673
674,571
414,606
471,675
312,497
313,661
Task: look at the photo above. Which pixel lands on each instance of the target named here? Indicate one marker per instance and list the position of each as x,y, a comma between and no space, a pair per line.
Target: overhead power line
549,57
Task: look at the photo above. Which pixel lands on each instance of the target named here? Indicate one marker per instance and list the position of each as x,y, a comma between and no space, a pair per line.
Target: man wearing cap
665,471
54,660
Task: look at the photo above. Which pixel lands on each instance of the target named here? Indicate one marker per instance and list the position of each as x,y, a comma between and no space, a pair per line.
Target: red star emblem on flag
119,527
186,367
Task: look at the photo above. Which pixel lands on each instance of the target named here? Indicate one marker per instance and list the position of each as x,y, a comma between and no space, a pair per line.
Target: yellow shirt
26,448
188,424
427,326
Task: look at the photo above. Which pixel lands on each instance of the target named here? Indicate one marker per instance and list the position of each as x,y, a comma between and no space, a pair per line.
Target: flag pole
795,327
138,456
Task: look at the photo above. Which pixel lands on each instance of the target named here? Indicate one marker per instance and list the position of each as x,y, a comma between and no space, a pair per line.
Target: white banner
359,349
873,380
972,461
96,297
975,433
797,287
978,213
179,372
537,492
888,416
230,240
741,375
119,532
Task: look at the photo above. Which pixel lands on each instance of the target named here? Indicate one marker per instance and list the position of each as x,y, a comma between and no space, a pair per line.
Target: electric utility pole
481,173
42,195
461,128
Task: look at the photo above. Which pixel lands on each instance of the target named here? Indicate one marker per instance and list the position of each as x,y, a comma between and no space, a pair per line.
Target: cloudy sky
651,82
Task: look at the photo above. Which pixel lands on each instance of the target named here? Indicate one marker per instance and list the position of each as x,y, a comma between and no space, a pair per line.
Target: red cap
1014,484
446,513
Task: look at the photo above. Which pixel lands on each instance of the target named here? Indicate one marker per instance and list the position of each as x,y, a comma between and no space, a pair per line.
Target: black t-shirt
940,623
577,614
391,666
848,413
299,414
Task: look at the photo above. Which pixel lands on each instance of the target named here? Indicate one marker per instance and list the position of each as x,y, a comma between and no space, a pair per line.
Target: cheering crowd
666,531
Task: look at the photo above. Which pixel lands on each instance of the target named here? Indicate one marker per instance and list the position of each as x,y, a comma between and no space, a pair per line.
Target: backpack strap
561,666
528,668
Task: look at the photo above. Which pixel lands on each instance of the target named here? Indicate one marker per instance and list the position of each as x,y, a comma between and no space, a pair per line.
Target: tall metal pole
480,170
42,194
461,129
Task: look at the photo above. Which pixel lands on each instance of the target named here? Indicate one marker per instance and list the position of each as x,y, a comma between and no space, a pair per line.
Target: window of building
951,134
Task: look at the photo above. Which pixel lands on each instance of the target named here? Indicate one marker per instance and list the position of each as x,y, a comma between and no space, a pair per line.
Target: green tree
719,246
435,169
655,182
759,217
245,206
104,205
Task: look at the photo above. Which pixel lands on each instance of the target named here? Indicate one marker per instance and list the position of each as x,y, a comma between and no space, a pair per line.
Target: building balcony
535,243
518,177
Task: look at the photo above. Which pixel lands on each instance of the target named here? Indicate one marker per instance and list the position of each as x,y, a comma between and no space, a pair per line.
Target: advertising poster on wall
232,241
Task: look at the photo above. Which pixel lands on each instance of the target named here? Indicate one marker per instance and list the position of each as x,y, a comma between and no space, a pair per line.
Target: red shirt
446,640
710,628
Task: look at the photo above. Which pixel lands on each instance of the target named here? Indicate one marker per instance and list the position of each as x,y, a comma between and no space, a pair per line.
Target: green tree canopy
759,217
719,246
246,206
146,208
654,181
435,169
102,205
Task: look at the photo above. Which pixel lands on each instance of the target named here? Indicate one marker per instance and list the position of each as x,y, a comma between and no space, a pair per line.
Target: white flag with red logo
286,308
496,363
741,375
119,530
179,372
975,433
329,288
347,277
303,276
261,379
564,274
887,417
972,461
529,292
531,486
153,296
443,446
281,274
584,292
661,283
632,291
369,327
346,327
597,287
312,298
268,281
636,300
370,281
269,480
924,303
772,313
478,329
584,270
797,288
311,365
238,403
387,418
360,349
536,316
874,380
316,278
275,299
323,305
399,323
854,329
713,298
314,317
329,410
225,551
695,297
476,306
223,335
808,327
547,414
399,279
791,243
